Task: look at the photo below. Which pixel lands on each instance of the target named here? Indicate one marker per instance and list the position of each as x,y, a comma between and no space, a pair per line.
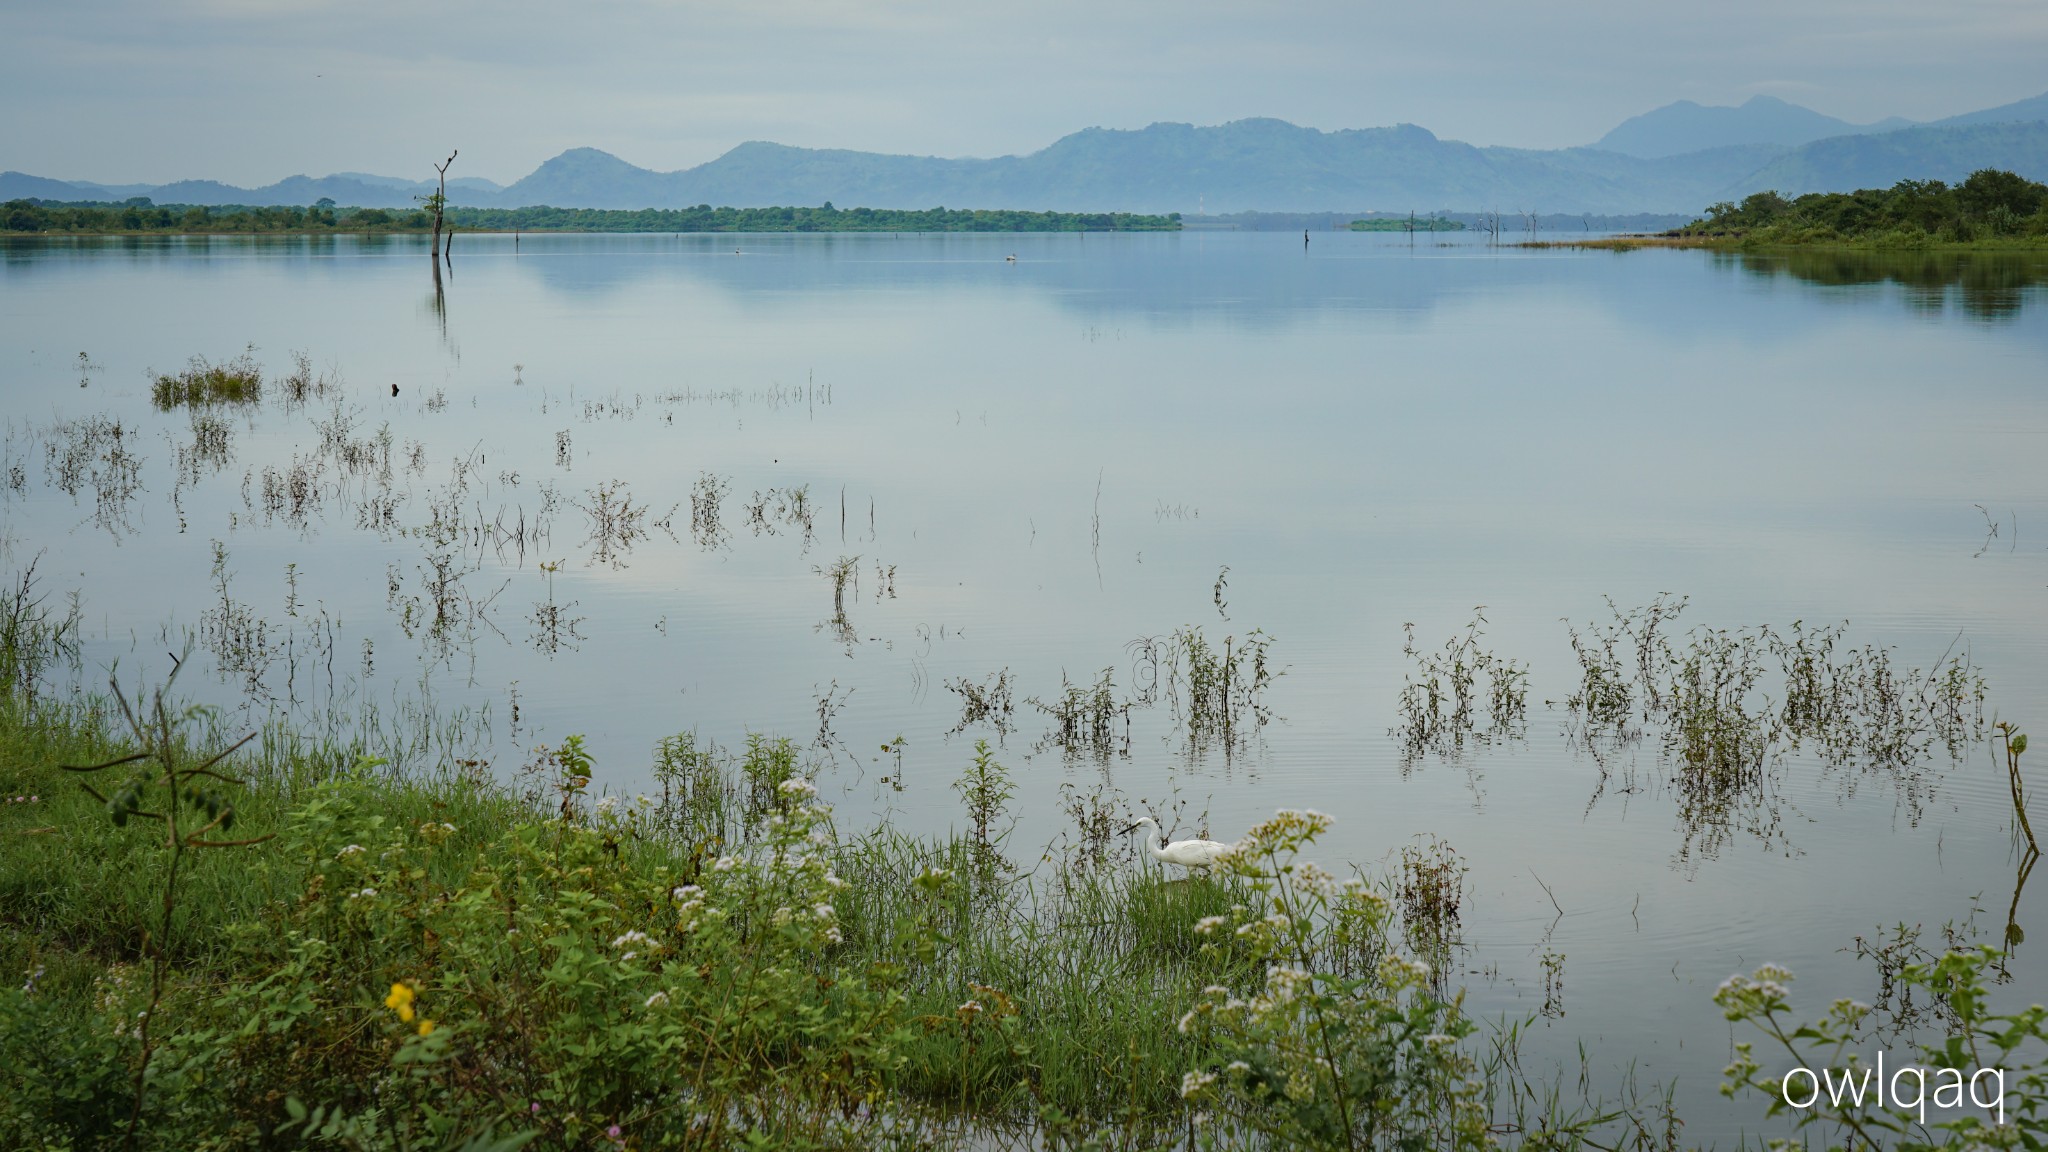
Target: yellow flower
400,1001
426,1027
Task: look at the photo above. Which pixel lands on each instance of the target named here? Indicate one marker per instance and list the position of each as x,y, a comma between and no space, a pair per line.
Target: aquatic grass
1727,706
988,701
100,453
1085,718
35,638
1440,700
203,382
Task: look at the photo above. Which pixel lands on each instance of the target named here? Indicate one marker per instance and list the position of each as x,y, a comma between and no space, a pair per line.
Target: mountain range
1678,158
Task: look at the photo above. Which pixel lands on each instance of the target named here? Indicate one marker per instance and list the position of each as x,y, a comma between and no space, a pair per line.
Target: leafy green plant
185,800
1980,1041
1314,1057
1440,698
2016,743
985,787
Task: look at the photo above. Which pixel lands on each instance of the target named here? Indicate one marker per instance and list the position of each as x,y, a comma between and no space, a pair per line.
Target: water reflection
1984,285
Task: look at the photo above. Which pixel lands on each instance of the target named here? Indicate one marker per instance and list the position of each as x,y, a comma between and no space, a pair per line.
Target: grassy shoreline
712,966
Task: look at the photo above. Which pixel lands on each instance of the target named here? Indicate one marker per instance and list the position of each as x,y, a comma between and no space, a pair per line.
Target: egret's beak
1128,831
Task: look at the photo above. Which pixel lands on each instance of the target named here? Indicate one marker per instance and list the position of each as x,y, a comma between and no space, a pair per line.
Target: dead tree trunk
440,204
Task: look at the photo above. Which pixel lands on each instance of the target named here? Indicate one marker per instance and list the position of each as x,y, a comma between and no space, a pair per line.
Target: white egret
1183,853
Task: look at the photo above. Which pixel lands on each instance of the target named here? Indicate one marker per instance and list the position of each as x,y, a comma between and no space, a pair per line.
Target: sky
251,91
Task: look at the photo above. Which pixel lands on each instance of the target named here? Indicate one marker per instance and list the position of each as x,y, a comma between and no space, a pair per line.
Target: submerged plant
2015,742
1085,718
1431,889
985,702
1441,702
237,381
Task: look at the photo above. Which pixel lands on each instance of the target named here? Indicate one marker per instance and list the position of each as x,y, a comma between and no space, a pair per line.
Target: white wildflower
725,864
1208,924
798,787
656,1000
1194,1083
631,936
351,850
607,806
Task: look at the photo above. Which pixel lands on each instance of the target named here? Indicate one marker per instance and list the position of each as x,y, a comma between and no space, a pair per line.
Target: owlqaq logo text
1803,1088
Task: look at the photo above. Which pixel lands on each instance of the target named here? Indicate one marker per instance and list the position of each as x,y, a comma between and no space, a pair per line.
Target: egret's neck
1155,840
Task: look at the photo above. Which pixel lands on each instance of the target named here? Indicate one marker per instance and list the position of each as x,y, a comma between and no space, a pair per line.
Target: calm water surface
1028,465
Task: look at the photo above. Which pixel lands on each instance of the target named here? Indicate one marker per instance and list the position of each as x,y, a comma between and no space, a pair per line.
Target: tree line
139,215
1990,205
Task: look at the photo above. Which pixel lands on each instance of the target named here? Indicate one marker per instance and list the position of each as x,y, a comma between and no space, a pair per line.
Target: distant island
1409,223
1993,208
138,216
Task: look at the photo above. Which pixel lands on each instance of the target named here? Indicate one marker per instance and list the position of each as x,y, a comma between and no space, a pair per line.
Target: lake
841,488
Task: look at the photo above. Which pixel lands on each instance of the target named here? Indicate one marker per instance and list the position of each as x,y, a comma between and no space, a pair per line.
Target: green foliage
984,788
1343,1044
429,962
32,635
1991,205
237,381
1440,699
1978,1039
1408,223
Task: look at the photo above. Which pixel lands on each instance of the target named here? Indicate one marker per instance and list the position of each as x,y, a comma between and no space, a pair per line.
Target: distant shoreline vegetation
1993,209
140,217
1407,224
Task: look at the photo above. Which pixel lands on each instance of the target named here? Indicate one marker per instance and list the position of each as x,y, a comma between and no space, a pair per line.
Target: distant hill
1256,165
1246,165
2032,108
1924,153
1676,129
